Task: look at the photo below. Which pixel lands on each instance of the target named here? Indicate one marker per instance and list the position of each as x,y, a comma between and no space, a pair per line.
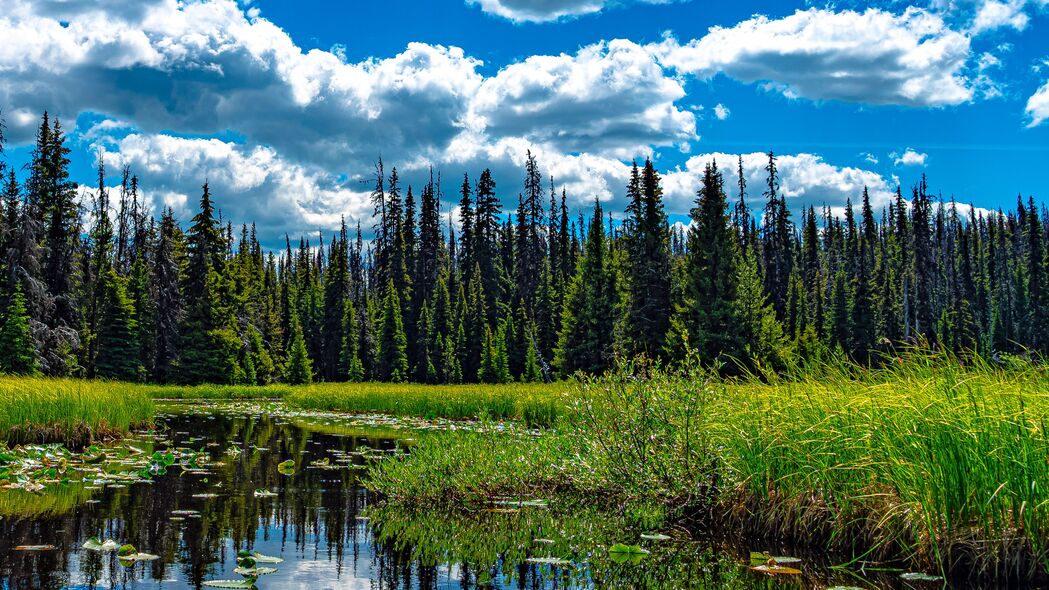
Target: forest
103,288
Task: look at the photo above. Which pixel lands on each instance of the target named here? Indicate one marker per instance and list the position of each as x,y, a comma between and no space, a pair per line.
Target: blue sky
284,106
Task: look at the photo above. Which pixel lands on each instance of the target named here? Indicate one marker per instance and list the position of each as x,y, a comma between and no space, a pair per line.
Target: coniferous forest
103,288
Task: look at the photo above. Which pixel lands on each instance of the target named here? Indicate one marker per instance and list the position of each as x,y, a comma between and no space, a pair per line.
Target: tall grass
212,391
534,404
926,460
70,411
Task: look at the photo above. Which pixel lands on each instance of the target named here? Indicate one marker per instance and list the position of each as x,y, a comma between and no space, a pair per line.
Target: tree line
112,291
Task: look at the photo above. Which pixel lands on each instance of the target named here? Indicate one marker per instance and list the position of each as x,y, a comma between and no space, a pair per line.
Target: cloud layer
874,57
196,89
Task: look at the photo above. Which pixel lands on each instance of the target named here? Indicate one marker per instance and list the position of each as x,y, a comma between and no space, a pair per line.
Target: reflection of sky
291,526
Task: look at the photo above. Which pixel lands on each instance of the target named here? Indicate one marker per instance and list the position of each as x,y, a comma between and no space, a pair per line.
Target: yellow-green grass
211,391
925,461
70,411
535,404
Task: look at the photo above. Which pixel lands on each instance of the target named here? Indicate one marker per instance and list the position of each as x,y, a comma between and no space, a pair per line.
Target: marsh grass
534,404
69,411
927,461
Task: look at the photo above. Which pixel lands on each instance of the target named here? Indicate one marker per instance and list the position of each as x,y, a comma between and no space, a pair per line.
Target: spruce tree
706,319
392,362
118,348
298,369
17,350
648,265
585,342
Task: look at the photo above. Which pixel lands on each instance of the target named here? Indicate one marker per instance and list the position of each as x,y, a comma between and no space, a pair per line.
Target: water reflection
198,521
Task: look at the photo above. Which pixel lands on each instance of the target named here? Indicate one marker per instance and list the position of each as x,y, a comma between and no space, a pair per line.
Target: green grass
533,404
210,391
925,461
69,411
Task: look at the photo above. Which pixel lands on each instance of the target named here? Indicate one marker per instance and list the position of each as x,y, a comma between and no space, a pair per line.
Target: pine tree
17,351
298,369
648,270
706,319
118,347
585,342
392,362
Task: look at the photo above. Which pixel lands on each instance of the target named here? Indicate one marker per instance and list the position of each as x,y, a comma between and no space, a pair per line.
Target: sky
285,106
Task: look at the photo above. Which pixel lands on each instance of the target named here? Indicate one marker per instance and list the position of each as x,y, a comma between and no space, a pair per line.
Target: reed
70,411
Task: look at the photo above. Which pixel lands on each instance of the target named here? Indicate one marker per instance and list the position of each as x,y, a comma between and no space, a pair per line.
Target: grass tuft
38,410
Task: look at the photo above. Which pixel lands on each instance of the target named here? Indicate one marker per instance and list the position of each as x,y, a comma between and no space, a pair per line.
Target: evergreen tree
118,347
17,351
392,362
706,319
298,369
648,270
585,342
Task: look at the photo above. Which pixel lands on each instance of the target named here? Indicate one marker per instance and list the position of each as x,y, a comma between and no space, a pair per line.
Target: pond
327,531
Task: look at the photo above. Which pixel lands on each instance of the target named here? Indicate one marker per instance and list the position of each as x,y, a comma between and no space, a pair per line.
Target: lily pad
920,577
35,548
262,493
260,558
126,550
655,537
254,571
130,559
774,570
95,544
246,583
547,561
622,553
286,467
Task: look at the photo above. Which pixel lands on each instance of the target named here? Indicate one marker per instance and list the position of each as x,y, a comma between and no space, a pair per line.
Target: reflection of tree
314,512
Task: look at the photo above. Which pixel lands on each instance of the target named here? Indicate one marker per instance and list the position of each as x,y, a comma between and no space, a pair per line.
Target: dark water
329,530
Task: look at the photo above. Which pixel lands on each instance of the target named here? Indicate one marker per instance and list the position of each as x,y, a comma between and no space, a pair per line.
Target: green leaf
126,550
286,467
621,553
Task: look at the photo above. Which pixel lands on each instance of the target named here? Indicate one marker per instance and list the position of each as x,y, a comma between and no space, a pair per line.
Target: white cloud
247,183
609,98
870,158
537,11
995,14
805,179
909,157
721,112
874,57
1037,109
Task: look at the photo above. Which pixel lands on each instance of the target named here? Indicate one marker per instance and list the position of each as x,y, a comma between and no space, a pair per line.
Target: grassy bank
535,404
211,391
69,411
925,461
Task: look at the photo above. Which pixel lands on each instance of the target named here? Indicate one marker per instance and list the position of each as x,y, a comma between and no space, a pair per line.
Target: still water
328,530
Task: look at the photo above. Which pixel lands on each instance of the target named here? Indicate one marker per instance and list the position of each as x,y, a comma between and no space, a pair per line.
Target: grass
69,411
534,404
210,391
926,461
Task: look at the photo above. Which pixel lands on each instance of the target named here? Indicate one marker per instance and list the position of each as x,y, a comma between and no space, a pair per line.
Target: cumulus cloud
874,57
870,158
721,112
1037,109
909,157
995,14
538,11
247,183
608,98
805,179
207,67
